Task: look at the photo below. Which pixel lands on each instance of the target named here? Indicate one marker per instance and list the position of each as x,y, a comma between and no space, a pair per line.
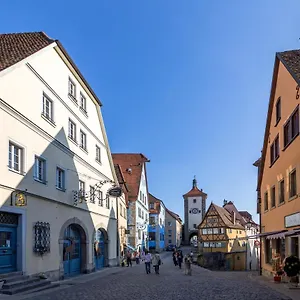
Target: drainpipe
260,227
118,238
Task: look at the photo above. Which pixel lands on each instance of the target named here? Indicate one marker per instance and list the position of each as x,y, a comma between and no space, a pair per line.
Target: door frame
21,235
105,235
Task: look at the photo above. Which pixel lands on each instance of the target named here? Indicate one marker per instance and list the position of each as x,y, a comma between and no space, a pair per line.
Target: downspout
260,227
118,237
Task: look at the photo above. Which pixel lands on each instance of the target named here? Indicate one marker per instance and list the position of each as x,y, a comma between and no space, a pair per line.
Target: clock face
195,210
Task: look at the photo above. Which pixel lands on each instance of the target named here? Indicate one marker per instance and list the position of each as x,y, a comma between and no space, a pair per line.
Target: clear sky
185,82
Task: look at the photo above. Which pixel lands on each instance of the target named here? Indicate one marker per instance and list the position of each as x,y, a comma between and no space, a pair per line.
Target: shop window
295,246
268,251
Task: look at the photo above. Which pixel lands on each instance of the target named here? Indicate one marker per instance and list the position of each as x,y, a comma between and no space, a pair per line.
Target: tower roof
194,192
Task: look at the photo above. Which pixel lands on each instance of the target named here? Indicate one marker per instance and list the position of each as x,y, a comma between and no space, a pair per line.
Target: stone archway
193,238
100,228
84,241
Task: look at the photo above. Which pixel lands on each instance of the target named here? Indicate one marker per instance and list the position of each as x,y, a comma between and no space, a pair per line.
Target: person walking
128,259
156,261
174,255
188,265
147,258
179,258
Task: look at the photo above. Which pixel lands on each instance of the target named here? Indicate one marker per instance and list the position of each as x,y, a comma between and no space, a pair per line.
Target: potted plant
292,268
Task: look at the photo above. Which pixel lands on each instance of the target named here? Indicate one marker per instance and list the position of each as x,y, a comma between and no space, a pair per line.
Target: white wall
253,253
142,204
194,218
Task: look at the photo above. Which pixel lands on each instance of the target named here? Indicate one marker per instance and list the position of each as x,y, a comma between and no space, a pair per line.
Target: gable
212,218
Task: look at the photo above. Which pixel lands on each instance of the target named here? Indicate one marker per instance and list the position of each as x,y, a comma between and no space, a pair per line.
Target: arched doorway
100,249
73,250
194,239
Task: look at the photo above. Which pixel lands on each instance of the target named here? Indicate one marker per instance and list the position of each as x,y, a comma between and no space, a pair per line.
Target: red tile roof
132,165
194,192
156,202
14,47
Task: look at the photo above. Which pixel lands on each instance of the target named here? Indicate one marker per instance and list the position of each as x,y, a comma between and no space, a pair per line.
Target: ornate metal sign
115,191
20,199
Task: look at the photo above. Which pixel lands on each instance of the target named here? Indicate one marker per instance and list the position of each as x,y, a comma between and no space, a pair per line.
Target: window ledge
17,172
74,142
286,146
83,111
266,210
73,99
40,181
60,189
51,122
278,120
281,203
84,150
99,162
293,198
274,161
273,207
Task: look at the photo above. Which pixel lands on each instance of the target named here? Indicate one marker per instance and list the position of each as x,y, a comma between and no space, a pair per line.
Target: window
195,226
82,102
139,234
151,236
194,200
142,214
47,108
230,230
274,149
98,154
72,130
221,230
291,128
125,215
15,157
230,244
206,245
293,184
281,191
151,205
266,201
170,241
60,179
278,110
72,89
121,210
209,231
100,198
151,220
82,140
141,196
273,200
139,212
204,231
40,169
170,231
92,194
268,250
82,188
107,201
169,223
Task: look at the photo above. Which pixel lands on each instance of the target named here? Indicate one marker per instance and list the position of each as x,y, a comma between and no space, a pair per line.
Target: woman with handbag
156,261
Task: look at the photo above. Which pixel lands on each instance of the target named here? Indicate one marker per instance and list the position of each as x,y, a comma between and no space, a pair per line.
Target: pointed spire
194,182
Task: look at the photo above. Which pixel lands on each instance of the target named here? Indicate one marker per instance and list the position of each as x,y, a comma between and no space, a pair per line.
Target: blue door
8,257
72,251
99,245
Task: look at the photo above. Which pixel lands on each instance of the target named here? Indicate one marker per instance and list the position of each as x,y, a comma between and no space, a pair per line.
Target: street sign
115,191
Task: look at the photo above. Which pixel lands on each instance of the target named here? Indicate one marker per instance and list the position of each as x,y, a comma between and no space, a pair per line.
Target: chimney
233,217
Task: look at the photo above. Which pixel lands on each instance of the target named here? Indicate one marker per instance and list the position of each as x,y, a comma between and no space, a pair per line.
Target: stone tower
194,211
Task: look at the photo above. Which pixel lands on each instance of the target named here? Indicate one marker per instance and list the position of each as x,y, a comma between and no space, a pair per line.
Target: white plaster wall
162,214
253,253
194,218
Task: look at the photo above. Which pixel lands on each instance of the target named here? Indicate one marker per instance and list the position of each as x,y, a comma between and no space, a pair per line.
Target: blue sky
185,82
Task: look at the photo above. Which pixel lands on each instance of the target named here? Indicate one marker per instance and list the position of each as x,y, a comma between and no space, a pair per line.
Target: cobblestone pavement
134,283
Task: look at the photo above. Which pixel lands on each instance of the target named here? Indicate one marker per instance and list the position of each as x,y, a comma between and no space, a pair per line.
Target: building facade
56,169
278,179
194,212
173,229
221,231
134,172
156,234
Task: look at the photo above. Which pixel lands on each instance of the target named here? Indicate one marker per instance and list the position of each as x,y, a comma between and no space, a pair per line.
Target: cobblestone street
134,283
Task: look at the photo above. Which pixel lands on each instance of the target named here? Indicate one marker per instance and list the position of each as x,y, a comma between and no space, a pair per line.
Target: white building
194,212
134,171
173,229
55,163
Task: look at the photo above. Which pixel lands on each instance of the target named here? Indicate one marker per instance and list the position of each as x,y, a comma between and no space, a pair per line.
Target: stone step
54,286
21,282
27,287
15,278
11,274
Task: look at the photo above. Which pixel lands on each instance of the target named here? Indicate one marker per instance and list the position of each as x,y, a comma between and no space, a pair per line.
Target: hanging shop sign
115,191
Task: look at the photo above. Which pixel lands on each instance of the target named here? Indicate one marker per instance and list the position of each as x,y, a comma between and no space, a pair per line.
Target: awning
278,234
293,232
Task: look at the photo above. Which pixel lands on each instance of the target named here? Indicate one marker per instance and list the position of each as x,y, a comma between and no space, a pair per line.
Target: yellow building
222,230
